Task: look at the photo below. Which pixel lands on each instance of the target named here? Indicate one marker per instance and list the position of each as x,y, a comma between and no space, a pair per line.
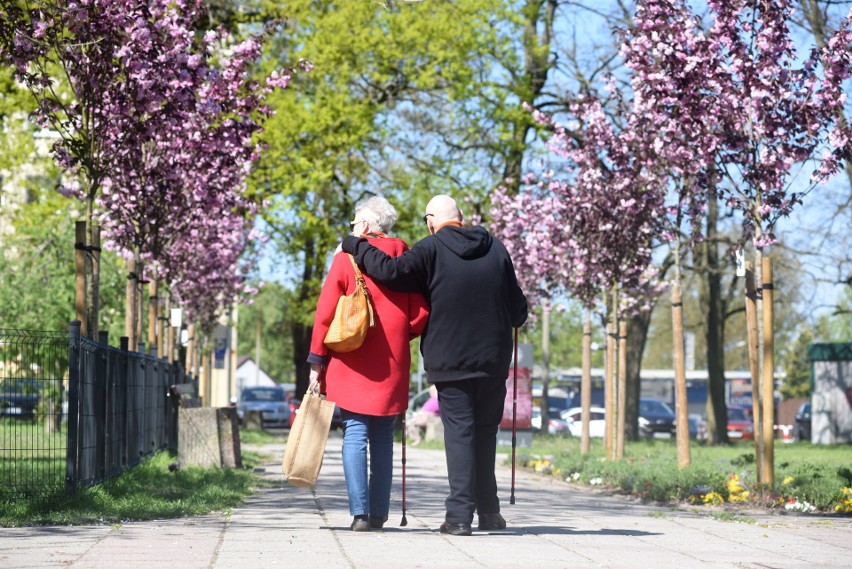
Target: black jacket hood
467,243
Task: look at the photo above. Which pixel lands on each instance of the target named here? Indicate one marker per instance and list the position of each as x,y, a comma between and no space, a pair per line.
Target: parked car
336,418
270,401
555,425
597,421
20,398
802,423
740,424
656,419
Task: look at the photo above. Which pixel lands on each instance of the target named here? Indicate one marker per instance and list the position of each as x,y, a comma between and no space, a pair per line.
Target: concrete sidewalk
552,525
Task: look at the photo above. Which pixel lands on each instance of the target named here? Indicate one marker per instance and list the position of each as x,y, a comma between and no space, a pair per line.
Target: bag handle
358,275
360,282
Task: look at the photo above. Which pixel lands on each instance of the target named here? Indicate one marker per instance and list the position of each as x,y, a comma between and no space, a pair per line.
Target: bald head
442,209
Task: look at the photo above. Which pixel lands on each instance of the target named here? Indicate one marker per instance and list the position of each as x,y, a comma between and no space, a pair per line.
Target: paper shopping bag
306,443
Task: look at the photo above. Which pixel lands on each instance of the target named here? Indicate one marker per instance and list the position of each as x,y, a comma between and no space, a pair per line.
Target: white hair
378,212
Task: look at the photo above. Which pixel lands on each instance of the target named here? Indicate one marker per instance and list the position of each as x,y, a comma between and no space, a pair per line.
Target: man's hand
350,242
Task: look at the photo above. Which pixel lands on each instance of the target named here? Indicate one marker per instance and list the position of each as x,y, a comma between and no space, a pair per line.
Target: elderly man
469,281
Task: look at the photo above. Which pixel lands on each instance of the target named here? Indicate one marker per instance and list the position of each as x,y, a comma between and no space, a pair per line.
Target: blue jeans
365,498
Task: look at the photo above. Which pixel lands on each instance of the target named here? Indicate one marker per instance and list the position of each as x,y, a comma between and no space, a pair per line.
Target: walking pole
404,521
514,418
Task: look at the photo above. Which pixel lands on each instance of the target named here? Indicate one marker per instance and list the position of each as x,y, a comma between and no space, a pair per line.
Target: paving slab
553,524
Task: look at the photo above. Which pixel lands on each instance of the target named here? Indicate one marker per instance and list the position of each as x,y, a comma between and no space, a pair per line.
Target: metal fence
89,410
33,382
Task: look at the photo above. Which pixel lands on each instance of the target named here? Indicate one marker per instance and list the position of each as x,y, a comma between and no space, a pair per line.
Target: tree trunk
545,362
714,305
609,379
637,336
301,348
153,305
81,274
586,383
130,305
753,365
93,269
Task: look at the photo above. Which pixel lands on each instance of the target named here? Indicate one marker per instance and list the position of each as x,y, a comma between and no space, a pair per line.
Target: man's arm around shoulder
404,273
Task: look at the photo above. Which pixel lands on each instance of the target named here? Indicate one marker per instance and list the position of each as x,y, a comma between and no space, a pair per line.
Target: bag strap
358,275
360,282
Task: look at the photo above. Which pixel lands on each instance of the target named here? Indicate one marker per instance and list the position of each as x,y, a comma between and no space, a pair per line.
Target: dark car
802,423
19,398
271,402
656,419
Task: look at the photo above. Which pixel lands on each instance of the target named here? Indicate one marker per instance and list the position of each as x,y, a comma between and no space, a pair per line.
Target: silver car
271,402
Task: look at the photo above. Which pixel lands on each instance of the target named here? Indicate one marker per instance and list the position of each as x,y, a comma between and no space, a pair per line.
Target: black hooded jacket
469,281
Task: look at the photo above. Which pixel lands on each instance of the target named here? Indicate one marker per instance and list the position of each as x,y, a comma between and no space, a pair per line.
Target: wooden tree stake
768,379
681,410
622,387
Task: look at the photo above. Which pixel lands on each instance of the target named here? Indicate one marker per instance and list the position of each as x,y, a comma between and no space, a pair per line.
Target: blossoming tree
722,111
587,231
156,126
738,84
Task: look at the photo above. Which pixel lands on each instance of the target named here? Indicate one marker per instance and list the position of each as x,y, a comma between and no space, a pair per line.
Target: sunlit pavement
552,525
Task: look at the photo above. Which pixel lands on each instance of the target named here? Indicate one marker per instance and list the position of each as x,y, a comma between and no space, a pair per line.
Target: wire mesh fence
121,409
75,412
33,389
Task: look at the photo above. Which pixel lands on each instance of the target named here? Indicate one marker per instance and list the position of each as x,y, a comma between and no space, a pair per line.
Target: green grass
260,437
805,474
729,517
147,491
31,454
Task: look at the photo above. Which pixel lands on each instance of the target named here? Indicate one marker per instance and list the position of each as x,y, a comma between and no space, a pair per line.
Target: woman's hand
315,377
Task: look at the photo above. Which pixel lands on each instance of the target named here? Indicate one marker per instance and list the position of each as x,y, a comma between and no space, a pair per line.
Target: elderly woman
370,384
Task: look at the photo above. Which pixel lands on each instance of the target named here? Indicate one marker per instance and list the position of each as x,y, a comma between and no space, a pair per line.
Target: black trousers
471,410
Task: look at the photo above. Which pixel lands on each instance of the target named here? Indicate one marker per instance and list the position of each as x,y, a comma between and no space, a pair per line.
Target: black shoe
491,522
456,529
377,522
360,523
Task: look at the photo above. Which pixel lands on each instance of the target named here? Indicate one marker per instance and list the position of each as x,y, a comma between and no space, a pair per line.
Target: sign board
176,319
221,335
739,392
689,350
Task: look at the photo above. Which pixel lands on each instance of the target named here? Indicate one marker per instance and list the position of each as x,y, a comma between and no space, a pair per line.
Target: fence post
73,394
124,345
102,395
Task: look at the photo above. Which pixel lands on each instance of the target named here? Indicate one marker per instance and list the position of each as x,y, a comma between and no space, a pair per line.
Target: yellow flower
788,480
845,505
740,497
713,499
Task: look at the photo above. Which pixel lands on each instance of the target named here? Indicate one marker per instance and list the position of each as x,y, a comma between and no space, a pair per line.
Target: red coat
372,380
